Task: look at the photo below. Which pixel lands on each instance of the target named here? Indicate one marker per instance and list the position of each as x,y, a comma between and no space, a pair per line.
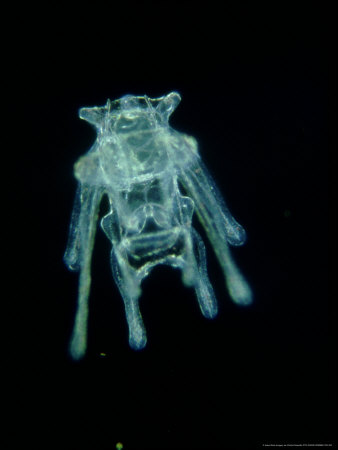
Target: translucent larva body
139,162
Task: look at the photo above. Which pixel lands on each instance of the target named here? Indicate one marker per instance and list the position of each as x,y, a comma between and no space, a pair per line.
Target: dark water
256,88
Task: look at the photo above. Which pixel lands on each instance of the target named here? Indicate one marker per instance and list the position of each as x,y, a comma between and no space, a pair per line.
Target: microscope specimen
142,164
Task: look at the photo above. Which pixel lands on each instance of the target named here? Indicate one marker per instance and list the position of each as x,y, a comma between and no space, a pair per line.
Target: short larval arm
219,225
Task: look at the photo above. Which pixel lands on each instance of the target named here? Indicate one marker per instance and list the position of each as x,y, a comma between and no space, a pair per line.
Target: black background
257,87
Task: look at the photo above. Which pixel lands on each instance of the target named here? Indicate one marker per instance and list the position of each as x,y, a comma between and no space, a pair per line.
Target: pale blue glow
139,162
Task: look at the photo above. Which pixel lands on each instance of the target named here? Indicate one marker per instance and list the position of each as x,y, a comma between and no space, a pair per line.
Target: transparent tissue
140,162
